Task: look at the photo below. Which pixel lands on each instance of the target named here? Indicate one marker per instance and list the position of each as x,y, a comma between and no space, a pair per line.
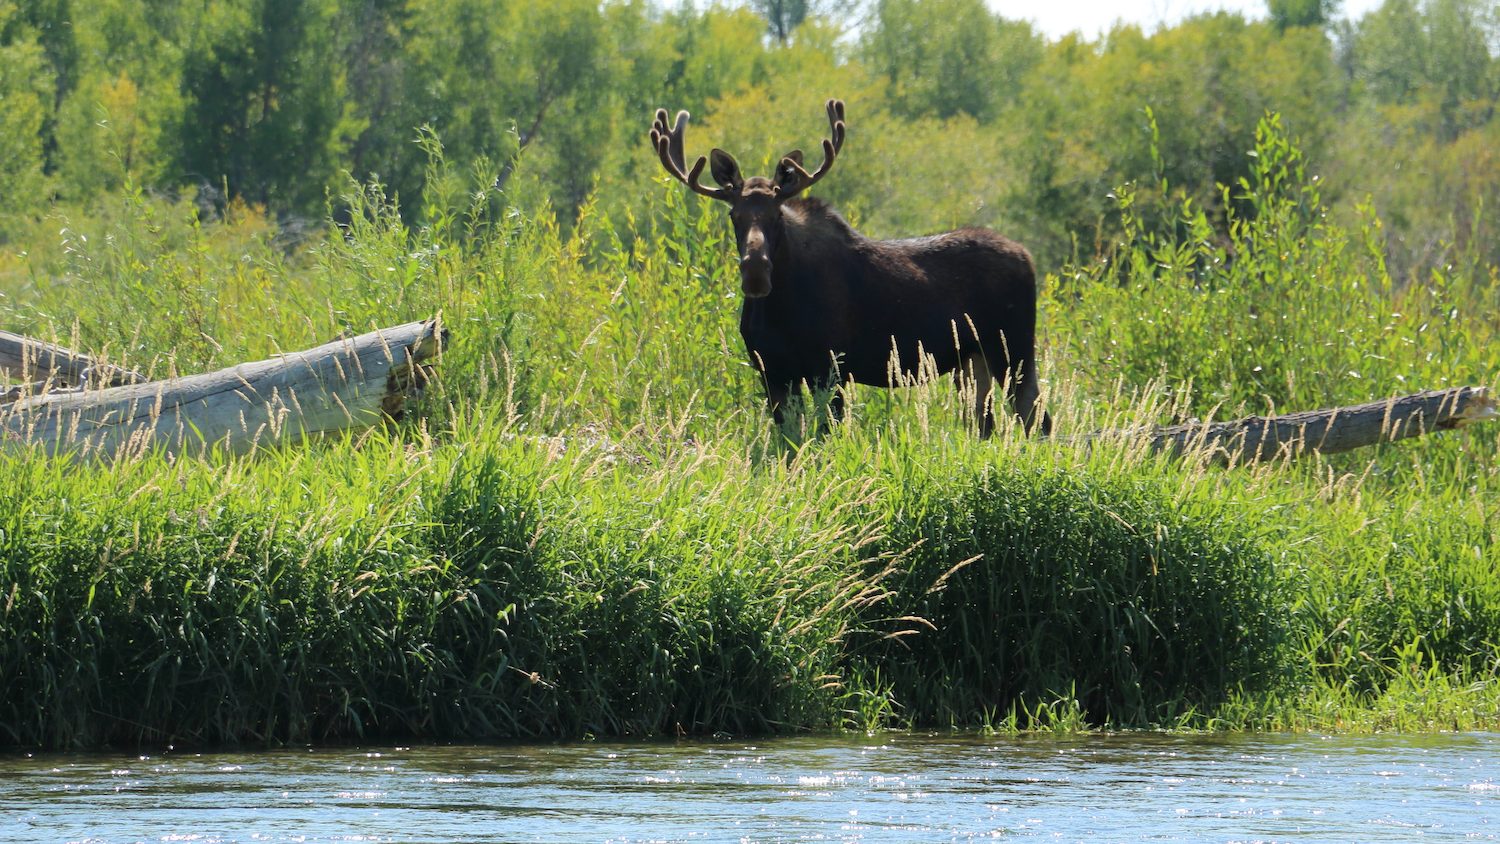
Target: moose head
754,203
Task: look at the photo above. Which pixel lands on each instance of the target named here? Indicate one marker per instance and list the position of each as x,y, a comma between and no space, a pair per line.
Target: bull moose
825,305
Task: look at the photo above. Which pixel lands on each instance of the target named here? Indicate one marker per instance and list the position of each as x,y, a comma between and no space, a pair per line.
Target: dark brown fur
840,304
825,305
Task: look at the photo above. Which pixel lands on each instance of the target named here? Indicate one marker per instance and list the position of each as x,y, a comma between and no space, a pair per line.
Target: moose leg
1015,356
1022,390
973,368
777,393
830,385
1023,393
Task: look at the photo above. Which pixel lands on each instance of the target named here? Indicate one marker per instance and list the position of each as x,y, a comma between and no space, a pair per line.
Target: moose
825,305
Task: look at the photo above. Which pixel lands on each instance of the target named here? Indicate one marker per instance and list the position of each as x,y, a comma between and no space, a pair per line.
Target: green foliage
1286,14
1293,311
114,123
1289,312
1406,51
25,108
1037,582
491,81
1179,106
715,55
263,102
275,102
949,57
1422,589
783,17
494,584
466,589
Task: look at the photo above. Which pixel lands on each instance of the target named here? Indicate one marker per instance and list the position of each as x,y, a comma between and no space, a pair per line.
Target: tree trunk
1327,431
348,384
45,363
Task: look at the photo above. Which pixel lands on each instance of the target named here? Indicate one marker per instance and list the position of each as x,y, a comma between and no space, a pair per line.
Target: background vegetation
959,116
591,528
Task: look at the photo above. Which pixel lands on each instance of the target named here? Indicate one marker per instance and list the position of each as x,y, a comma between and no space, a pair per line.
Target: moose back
825,305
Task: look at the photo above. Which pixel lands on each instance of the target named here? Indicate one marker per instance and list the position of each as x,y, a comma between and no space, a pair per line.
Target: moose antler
668,143
831,147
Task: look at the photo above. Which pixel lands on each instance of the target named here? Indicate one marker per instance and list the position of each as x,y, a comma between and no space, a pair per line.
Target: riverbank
493,584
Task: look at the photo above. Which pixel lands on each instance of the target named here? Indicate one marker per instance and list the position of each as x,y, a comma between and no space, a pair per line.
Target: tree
50,24
1436,53
494,82
1286,14
948,57
371,41
264,104
1390,51
116,119
26,92
784,16
1179,106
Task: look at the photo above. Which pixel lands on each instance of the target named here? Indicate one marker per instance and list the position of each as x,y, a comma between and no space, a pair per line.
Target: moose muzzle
755,266
755,276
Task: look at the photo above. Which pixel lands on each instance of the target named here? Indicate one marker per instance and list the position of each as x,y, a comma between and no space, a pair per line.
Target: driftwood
1327,431
348,384
48,367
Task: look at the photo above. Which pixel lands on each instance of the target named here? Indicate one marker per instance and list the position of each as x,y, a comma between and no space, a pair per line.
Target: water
894,788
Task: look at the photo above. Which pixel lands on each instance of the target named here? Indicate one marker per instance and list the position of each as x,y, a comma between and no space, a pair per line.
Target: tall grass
590,529
1051,582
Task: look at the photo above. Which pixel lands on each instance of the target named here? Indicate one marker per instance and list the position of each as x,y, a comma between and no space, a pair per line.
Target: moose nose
755,276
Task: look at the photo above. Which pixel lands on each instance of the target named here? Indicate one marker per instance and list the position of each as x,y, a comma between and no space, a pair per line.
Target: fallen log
50,366
348,384
1293,435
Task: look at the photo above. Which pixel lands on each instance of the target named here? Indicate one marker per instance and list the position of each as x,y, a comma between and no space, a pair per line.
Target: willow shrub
1288,310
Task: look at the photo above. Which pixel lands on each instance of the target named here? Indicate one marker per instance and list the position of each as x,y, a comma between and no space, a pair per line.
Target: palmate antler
668,143
831,147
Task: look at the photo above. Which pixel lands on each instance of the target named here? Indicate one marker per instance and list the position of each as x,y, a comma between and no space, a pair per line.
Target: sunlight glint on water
888,788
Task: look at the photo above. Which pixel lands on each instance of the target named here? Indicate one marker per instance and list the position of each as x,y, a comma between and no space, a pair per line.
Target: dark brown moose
825,305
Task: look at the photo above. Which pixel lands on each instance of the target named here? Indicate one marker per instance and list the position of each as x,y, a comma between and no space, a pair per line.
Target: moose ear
725,169
787,176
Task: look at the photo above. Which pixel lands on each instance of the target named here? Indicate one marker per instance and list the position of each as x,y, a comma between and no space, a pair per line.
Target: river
887,788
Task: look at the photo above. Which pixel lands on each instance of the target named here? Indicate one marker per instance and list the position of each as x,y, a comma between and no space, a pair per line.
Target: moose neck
813,237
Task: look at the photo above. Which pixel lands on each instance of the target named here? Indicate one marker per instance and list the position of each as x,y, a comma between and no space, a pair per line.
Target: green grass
590,529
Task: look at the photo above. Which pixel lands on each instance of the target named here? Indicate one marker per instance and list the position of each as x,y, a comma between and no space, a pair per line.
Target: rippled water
888,788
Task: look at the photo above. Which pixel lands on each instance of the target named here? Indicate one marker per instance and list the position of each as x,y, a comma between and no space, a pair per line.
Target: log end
409,377
1479,406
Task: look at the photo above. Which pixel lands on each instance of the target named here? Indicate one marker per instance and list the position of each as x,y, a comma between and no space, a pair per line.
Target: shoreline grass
491,583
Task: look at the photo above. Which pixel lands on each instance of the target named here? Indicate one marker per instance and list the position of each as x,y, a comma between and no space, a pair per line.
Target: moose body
825,305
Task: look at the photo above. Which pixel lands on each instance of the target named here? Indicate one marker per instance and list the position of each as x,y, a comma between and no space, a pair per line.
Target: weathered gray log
350,383
1327,431
51,366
